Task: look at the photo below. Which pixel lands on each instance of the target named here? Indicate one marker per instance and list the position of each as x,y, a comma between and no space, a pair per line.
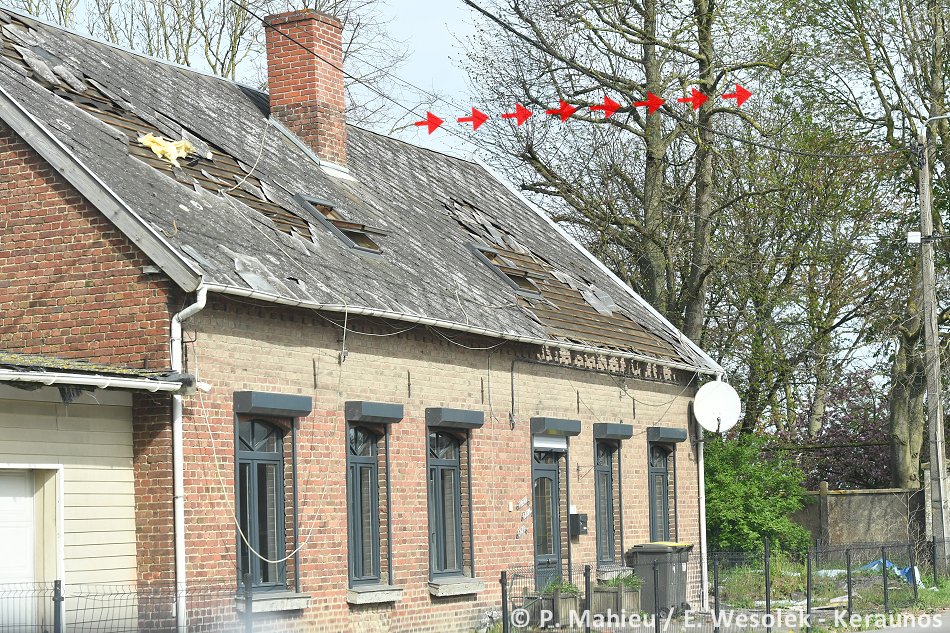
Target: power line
350,76
672,113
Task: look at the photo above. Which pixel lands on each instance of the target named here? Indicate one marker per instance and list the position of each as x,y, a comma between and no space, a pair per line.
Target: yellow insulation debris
167,149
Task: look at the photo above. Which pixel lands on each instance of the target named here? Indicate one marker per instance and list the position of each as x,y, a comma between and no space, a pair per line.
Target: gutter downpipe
701,476
178,465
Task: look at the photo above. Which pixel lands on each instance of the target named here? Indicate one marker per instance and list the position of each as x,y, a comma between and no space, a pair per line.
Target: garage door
16,546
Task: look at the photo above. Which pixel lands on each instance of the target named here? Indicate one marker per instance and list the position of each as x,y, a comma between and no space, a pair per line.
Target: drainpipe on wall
703,553
178,467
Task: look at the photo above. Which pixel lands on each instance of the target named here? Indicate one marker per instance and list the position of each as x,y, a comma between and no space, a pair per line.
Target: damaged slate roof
405,233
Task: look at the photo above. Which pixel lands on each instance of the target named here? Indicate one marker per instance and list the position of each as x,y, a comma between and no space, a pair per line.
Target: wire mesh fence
119,608
764,590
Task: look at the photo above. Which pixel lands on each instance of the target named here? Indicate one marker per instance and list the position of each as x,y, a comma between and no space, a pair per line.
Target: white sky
432,30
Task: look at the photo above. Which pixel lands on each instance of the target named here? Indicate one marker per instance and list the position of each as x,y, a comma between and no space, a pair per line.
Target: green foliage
627,580
558,584
749,495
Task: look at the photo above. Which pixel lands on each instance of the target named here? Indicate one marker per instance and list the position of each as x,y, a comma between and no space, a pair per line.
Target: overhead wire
350,76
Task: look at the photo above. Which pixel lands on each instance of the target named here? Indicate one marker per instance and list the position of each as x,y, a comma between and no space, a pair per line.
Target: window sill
275,601
373,594
458,586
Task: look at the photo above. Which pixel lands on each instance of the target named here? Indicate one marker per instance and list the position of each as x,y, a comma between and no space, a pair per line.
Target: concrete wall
841,517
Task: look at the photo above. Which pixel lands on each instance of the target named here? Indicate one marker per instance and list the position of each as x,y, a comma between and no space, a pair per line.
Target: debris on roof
167,149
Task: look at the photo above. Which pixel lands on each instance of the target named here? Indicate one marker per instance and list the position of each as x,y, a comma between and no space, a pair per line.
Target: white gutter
101,382
449,325
701,476
178,465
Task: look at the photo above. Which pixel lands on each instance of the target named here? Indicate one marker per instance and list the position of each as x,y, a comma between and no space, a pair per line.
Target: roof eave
459,327
66,379
97,192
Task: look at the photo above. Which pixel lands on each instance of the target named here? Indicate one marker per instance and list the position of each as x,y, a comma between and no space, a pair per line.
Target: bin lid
663,546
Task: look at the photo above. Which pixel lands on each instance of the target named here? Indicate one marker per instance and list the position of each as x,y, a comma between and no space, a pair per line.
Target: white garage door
16,545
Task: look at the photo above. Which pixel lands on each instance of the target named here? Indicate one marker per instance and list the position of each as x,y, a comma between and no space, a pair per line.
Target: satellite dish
717,406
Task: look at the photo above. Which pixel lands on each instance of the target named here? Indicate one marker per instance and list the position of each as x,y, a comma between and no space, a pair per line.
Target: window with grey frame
604,457
659,487
363,505
261,520
445,506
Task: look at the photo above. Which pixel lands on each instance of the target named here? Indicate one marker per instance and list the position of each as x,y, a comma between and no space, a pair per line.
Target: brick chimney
306,93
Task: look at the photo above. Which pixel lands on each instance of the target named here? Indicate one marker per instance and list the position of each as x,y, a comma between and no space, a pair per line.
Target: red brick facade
306,92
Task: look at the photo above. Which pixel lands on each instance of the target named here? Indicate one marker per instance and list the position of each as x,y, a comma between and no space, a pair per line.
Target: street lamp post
938,483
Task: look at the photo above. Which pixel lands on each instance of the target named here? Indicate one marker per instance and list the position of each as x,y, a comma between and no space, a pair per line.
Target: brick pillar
306,92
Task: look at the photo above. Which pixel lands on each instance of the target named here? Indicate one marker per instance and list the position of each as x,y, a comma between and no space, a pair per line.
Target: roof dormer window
517,278
356,236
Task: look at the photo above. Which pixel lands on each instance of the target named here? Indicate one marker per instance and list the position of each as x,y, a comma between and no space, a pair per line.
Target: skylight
356,237
517,278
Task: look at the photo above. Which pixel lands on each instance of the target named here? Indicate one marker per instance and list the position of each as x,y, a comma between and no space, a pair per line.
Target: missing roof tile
355,236
513,275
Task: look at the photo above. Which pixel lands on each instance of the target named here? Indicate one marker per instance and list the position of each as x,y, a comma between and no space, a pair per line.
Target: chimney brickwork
306,93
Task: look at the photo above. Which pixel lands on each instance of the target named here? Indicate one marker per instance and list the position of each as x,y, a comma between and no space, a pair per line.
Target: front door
659,494
17,538
547,522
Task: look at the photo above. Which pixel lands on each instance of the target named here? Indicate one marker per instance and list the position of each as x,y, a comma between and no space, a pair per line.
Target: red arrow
653,102
697,99
566,110
521,113
740,95
476,119
432,121
610,106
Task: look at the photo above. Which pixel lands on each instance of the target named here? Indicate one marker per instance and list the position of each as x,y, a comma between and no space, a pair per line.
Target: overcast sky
432,30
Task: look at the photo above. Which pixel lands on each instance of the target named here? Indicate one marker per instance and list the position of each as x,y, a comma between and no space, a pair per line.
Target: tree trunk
653,264
906,398
695,295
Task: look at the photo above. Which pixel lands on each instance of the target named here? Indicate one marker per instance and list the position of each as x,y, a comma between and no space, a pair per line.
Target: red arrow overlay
697,99
653,102
476,119
432,121
566,110
610,106
521,113
740,95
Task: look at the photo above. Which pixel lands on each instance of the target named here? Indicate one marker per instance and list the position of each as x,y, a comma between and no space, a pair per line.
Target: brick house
364,376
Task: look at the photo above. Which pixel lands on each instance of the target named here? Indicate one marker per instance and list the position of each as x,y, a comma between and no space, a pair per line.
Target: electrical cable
672,113
350,76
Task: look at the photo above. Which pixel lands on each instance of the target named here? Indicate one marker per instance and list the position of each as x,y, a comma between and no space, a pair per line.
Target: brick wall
72,284
306,91
242,345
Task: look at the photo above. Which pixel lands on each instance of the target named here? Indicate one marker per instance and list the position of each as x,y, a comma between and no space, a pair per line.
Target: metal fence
746,591
117,608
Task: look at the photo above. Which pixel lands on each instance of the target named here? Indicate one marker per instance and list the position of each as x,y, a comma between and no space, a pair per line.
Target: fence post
884,571
716,592
933,550
58,600
656,596
589,597
913,569
505,618
847,556
248,604
768,582
808,588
